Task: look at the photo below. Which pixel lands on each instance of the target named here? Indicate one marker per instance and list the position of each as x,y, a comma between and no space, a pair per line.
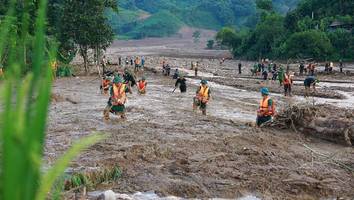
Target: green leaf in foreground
49,178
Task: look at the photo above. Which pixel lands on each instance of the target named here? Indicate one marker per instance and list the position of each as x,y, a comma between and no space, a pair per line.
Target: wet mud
166,147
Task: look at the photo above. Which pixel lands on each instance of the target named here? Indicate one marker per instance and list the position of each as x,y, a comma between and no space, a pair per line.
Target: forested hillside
158,18
315,29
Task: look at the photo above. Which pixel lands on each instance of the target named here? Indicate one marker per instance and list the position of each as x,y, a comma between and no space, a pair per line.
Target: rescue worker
266,108
274,75
176,74
106,83
129,78
265,75
202,97
287,84
310,81
302,68
104,63
118,98
281,75
142,62
137,64
120,61
196,69
254,70
142,86
181,81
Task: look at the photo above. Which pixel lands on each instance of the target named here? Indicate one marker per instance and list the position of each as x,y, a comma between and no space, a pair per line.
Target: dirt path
165,147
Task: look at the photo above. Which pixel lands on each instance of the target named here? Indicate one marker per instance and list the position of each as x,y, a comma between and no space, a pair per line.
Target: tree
306,44
266,5
343,43
84,26
196,36
228,37
210,44
268,34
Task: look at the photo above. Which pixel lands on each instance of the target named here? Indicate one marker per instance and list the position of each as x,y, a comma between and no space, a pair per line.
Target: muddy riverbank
167,148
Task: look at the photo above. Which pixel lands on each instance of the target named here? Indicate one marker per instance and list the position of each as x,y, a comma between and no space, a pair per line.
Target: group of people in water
117,85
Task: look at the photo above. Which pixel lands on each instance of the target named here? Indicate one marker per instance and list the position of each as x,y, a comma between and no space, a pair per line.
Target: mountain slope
167,16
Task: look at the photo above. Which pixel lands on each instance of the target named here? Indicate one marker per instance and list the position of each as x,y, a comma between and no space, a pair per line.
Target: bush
210,44
312,43
343,44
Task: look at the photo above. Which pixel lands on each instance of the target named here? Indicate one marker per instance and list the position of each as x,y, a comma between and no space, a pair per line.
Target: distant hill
160,18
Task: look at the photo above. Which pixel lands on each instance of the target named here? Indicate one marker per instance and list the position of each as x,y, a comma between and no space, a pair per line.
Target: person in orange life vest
142,86
287,84
106,83
202,97
266,108
117,99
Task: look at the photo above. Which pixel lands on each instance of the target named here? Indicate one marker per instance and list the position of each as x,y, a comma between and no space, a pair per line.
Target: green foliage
207,14
91,179
64,70
161,24
228,37
309,44
303,32
265,5
210,44
343,44
25,95
196,36
85,25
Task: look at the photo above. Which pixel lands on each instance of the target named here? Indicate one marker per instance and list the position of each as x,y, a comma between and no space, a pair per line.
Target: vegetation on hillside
207,14
303,33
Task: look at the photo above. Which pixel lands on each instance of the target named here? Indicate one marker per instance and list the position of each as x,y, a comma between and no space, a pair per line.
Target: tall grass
25,96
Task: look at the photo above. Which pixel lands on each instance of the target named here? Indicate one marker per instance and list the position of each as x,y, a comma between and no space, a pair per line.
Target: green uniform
281,75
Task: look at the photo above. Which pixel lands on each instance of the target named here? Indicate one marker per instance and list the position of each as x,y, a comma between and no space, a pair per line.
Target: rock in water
107,195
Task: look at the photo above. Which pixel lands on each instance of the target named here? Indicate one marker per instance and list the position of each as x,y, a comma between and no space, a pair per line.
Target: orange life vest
264,107
203,94
287,80
119,97
105,84
142,85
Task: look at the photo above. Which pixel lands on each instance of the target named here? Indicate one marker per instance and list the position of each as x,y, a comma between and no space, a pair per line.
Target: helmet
204,82
265,91
143,78
117,79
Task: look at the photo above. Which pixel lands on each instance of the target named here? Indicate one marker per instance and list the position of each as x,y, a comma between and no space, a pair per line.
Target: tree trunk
83,52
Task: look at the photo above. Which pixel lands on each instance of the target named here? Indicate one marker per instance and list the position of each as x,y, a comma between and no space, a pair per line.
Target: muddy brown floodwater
165,147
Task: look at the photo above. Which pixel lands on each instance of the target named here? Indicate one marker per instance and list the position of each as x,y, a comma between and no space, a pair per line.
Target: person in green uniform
117,98
129,78
281,75
254,69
